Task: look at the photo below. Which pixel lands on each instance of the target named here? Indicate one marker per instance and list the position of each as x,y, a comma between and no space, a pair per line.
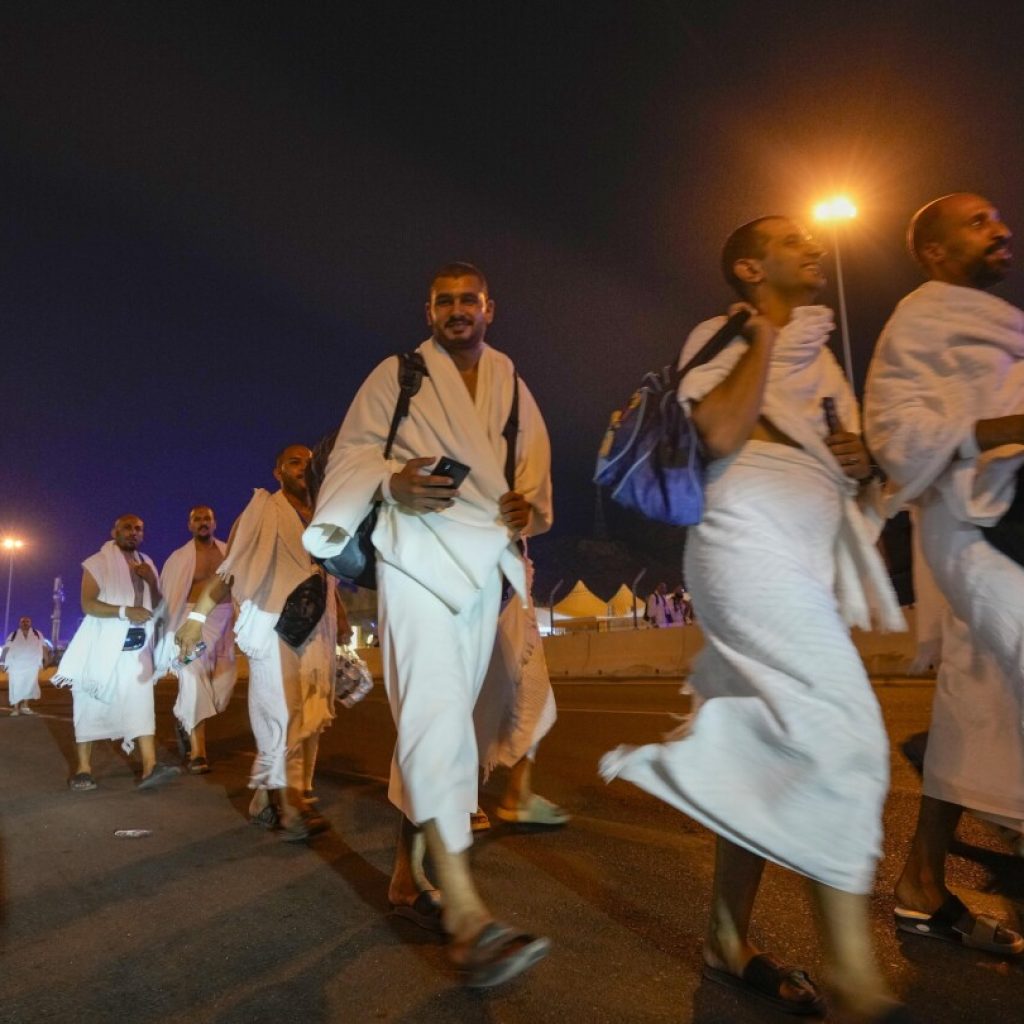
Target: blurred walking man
787,757
23,656
944,411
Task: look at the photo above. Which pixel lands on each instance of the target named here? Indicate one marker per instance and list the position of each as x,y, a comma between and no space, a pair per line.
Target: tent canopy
623,602
580,603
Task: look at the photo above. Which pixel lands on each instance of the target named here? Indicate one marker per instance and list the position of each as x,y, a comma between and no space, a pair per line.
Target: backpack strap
411,371
511,434
725,334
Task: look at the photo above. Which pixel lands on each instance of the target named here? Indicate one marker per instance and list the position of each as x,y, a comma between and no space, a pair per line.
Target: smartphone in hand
458,471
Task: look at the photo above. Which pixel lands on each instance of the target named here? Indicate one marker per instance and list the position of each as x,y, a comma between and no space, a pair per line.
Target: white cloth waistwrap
802,372
786,755
90,661
451,553
265,563
516,707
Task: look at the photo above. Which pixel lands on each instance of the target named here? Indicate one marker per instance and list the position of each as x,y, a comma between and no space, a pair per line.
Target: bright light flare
12,543
836,208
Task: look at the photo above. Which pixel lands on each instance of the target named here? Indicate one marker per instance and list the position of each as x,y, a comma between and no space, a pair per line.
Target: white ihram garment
438,572
206,683
24,659
112,688
291,690
516,708
786,755
948,357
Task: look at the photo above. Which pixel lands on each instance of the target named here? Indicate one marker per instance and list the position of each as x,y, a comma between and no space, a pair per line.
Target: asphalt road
209,919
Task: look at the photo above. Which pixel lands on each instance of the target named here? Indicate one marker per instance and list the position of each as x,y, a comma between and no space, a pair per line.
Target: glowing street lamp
10,545
834,212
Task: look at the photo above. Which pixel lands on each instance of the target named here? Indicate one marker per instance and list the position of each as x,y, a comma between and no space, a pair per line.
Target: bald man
944,412
287,625
109,662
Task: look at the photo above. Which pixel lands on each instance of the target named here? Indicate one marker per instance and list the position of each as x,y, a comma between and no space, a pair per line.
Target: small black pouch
302,611
135,639
1007,535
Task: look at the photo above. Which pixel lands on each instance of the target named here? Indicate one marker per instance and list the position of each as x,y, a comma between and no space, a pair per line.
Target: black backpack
357,562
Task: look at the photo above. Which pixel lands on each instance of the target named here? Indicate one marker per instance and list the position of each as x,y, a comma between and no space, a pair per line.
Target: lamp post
834,212
10,545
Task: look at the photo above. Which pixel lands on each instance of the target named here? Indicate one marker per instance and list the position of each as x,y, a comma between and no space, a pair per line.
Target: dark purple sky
218,217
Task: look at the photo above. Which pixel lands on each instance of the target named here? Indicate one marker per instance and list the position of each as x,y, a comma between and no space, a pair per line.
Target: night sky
217,218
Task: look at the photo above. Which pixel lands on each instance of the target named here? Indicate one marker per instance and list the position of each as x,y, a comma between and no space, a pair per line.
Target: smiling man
441,553
786,758
945,416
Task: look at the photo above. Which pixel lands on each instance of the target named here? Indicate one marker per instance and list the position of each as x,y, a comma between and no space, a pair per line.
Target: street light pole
832,212
844,325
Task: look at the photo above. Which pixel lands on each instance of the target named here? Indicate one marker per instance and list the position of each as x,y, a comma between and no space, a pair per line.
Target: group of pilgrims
785,757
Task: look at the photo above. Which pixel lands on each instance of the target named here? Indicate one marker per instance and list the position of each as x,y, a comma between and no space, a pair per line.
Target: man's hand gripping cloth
90,661
450,553
786,755
803,371
175,584
516,707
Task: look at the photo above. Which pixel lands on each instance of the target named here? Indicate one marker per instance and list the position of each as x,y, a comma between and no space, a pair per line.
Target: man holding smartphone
441,553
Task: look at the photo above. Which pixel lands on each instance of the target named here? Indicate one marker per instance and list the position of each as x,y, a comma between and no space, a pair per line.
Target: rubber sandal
538,813
953,922
159,776
304,828
81,782
267,819
763,978
478,821
424,911
499,954
199,766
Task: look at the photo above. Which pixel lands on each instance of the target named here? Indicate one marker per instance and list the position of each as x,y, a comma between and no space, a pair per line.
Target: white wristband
196,616
121,614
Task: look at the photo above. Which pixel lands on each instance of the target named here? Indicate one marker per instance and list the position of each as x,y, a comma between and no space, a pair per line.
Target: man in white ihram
23,657
441,553
786,758
109,662
205,684
944,411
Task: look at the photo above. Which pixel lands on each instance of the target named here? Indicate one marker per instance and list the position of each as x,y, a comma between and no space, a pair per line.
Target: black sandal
764,977
499,954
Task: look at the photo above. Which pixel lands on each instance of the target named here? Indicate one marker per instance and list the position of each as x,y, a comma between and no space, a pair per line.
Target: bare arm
1001,430
726,415
92,605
